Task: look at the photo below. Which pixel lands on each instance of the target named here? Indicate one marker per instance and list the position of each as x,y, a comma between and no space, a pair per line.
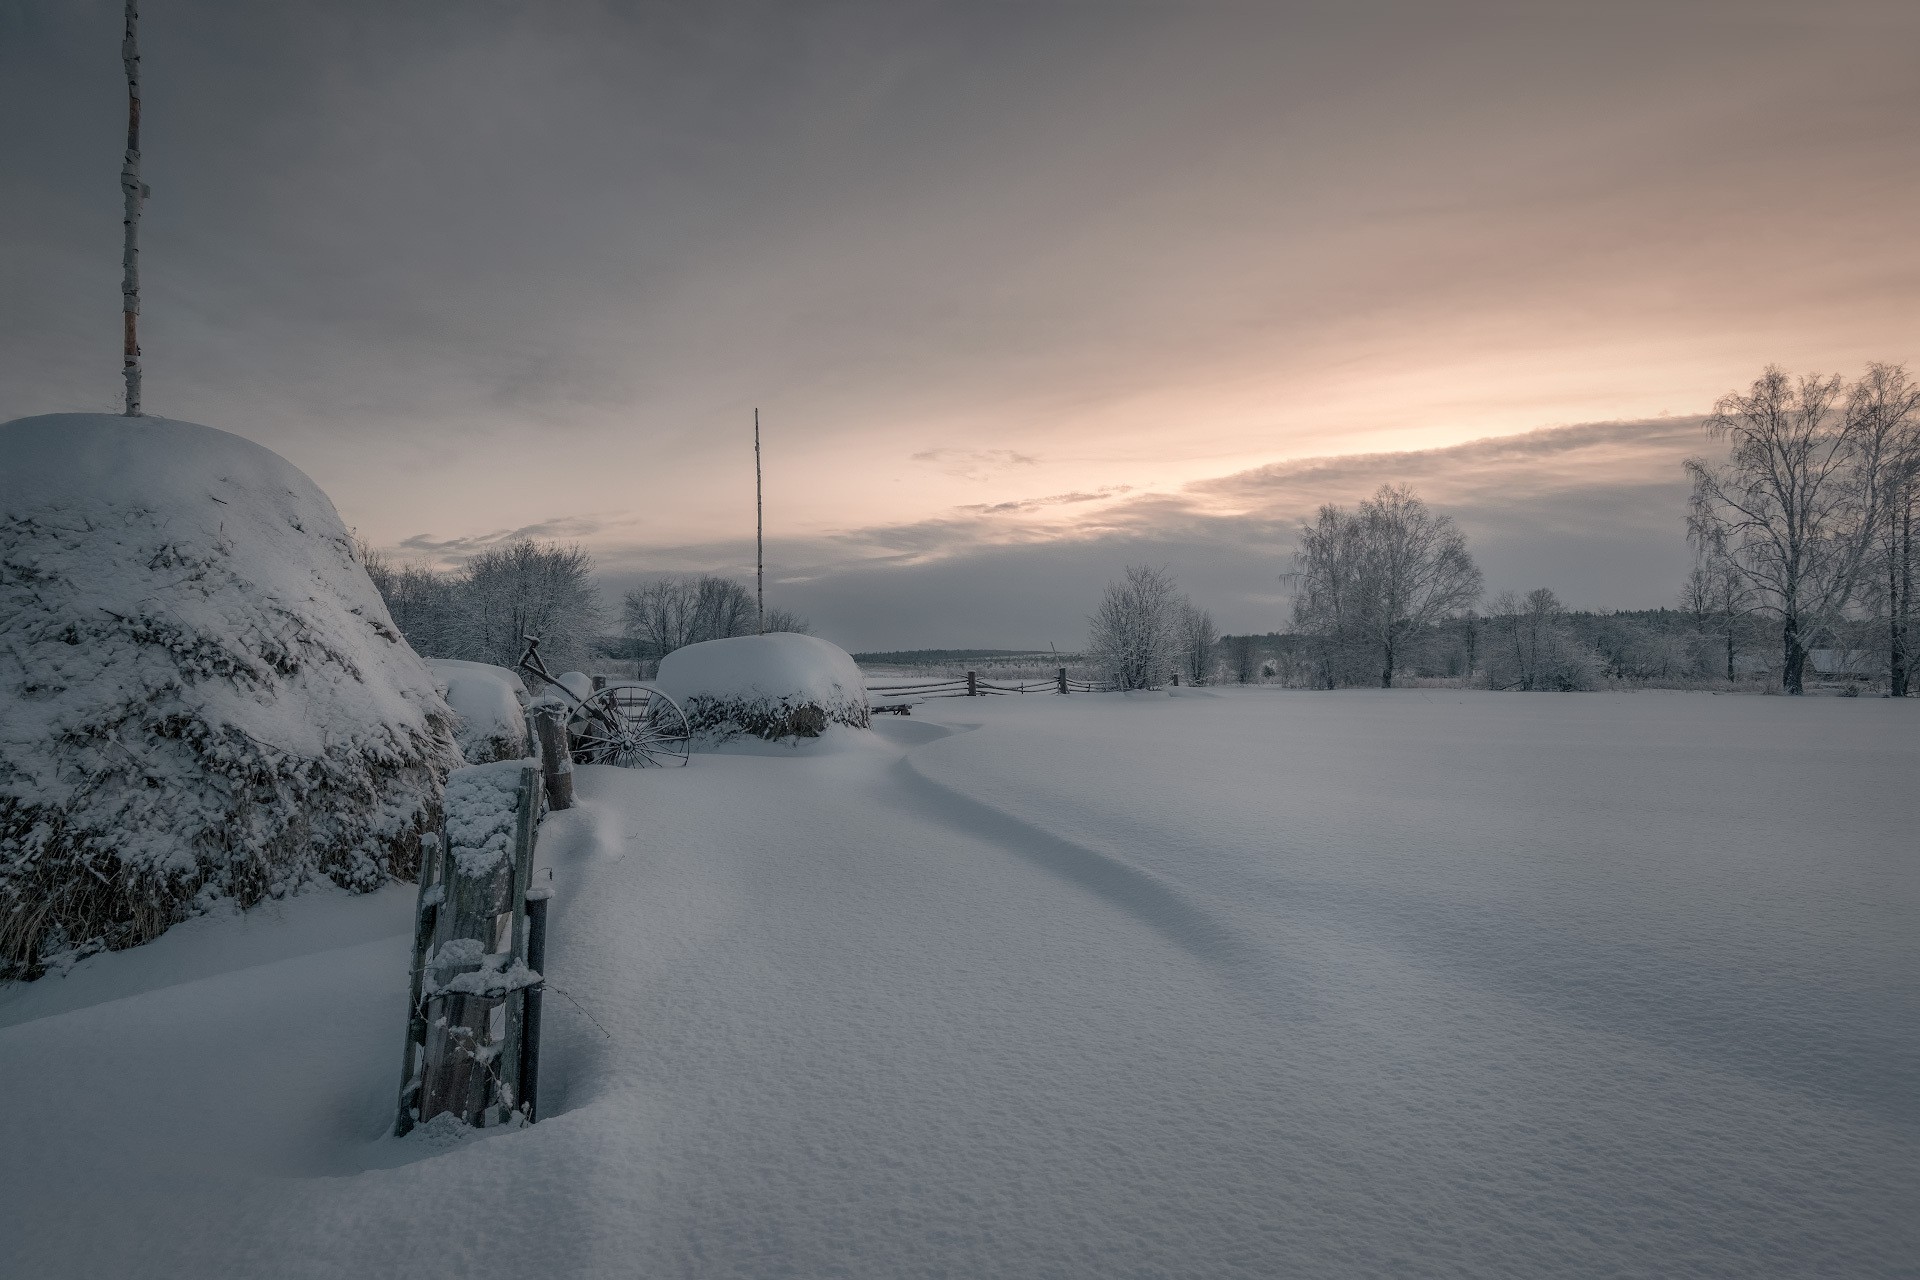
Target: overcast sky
1024,290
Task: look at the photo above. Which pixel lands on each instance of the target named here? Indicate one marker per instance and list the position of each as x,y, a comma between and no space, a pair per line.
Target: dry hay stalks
722,718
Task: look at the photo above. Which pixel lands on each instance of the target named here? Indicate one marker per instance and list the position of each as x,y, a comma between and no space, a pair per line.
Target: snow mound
201,694
773,686
489,703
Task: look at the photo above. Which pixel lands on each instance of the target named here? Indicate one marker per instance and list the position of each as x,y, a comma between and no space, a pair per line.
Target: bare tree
673,612
1717,598
1243,658
1197,640
1530,649
1895,575
1797,501
1885,403
788,621
1133,631
1330,596
1371,580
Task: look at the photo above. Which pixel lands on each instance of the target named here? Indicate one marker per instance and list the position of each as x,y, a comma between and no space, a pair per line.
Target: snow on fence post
973,685
470,1053
556,760
1061,678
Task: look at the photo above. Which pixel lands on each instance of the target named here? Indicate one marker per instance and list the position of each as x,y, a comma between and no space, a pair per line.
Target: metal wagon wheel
631,725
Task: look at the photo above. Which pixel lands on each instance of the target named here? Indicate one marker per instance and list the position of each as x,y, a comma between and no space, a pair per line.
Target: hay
203,695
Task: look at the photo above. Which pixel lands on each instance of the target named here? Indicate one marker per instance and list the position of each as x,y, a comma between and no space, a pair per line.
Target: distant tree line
483,611
1803,540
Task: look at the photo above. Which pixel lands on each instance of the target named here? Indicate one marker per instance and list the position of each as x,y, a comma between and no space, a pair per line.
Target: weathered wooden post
470,1058
425,912
1061,678
556,760
537,897
973,688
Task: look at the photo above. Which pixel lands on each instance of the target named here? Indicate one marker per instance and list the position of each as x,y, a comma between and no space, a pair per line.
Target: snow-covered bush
489,707
200,691
772,686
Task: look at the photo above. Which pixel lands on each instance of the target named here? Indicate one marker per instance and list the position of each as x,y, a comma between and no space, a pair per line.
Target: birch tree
1885,403
1372,579
1797,501
1197,641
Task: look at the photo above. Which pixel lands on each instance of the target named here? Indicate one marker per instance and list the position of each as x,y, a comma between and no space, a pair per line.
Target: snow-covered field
1255,983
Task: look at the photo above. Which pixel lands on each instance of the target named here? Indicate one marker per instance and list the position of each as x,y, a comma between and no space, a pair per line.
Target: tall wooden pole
134,193
759,539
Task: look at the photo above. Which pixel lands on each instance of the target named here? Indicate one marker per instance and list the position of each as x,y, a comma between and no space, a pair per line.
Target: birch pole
134,193
759,539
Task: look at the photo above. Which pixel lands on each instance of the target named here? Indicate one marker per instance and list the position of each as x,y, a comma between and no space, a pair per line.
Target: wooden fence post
556,760
537,898
973,687
471,1058
433,846
1062,678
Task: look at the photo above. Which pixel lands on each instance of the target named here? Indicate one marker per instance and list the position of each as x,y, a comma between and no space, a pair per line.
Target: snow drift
489,707
774,686
201,692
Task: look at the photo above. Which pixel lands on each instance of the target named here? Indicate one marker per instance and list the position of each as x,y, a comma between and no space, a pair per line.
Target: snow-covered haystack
201,694
774,686
489,708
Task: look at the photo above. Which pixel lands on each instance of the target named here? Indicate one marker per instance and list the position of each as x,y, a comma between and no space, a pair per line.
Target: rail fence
904,692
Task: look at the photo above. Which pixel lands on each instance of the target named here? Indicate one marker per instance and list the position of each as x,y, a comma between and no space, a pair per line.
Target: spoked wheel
631,725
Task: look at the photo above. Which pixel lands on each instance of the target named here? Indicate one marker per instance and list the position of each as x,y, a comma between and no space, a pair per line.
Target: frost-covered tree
1797,502
1243,658
1197,642
1135,634
1530,648
528,588
425,605
482,612
1370,580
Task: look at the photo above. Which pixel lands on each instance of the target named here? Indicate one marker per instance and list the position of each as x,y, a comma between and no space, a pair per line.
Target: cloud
1053,500
454,550
1596,511
975,464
